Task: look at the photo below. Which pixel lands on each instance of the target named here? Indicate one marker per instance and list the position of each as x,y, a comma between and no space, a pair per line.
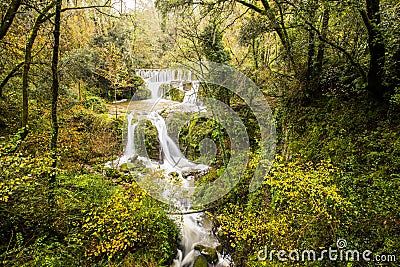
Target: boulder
194,173
187,86
126,167
208,252
134,158
200,261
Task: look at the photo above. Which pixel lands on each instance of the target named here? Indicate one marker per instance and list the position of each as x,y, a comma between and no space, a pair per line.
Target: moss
147,143
175,94
200,261
209,253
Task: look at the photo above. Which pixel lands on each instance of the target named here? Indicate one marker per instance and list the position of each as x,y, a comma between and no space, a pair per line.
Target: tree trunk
377,50
321,47
55,88
28,60
9,17
25,75
278,27
310,74
11,74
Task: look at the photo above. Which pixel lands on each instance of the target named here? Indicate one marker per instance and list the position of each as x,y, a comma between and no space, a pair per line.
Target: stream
198,245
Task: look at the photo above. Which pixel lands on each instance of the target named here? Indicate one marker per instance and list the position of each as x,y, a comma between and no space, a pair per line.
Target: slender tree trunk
377,50
255,52
8,18
25,74
11,74
310,65
277,25
321,47
28,60
55,88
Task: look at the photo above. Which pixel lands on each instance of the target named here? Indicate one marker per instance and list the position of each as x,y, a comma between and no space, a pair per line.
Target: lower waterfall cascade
197,239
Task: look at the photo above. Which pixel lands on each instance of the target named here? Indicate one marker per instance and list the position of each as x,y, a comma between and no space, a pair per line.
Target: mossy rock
209,253
150,144
141,93
113,173
187,86
126,167
200,261
134,158
175,94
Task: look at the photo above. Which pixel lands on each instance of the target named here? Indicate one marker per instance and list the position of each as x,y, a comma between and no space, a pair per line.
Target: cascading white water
191,95
193,229
155,78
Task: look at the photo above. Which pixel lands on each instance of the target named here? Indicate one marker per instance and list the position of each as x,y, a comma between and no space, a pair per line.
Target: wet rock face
133,164
209,253
187,86
194,173
134,158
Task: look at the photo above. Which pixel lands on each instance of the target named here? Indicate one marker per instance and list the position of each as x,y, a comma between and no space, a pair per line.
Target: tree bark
55,89
310,74
8,18
321,47
11,74
376,73
42,17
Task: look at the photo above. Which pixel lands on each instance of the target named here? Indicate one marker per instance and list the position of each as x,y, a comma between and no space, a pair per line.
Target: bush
96,104
128,223
297,208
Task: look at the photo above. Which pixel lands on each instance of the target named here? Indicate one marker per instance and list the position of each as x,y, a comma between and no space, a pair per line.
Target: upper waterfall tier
165,75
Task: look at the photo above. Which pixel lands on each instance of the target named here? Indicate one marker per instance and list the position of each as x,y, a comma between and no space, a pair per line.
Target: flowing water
195,227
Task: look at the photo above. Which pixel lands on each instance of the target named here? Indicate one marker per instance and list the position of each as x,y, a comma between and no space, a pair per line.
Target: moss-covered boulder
126,167
209,253
175,94
134,159
200,261
147,144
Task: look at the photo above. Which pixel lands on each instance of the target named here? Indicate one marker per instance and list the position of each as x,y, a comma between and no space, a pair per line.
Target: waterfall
191,95
194,229
155,78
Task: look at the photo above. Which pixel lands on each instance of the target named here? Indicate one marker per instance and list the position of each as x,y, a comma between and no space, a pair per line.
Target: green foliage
128,222
175,94
212,45
298,206
95,104
94,221
395,99
89,139
363,143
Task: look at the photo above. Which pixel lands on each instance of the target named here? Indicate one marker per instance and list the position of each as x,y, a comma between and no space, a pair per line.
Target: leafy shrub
141,93
96,104
297,201
128,223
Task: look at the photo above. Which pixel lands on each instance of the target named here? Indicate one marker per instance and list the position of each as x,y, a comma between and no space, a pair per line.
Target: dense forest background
329,69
